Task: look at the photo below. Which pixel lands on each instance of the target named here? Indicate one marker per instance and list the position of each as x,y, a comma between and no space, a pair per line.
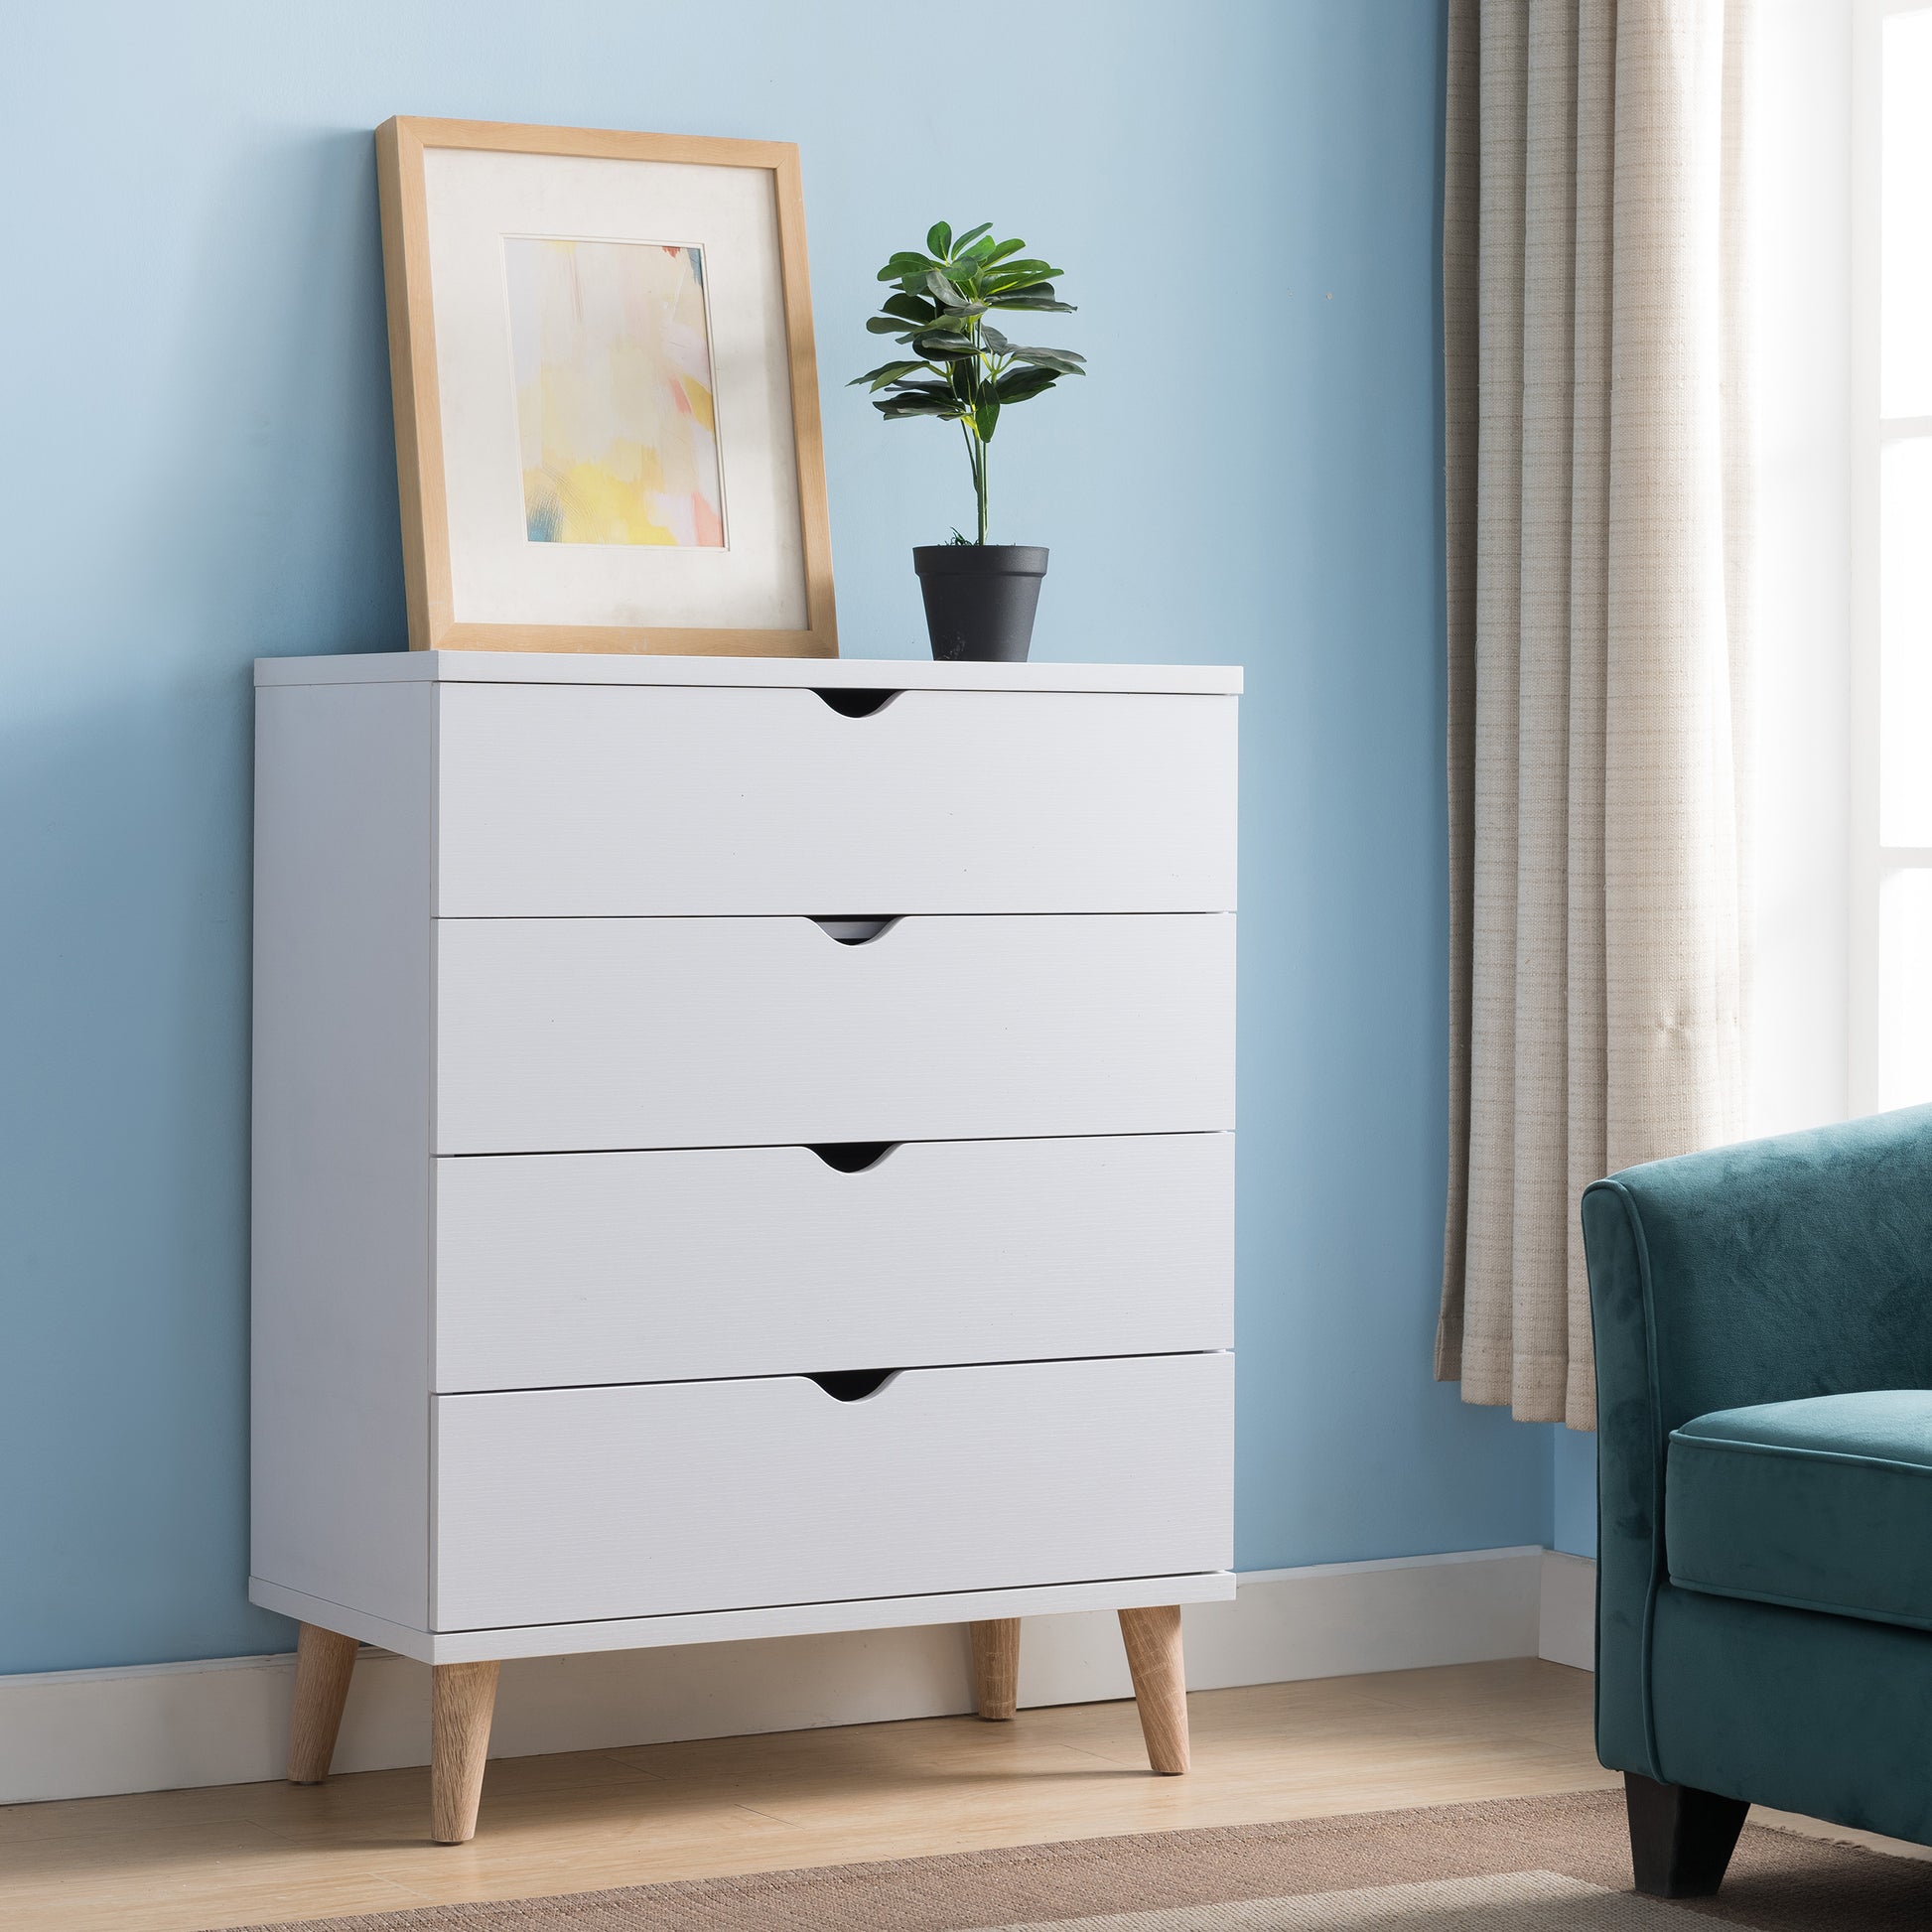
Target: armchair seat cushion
1821,1504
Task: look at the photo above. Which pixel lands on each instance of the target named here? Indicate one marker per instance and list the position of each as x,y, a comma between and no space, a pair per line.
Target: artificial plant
962,369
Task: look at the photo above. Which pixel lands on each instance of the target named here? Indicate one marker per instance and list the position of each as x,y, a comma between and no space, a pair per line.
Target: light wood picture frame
487,561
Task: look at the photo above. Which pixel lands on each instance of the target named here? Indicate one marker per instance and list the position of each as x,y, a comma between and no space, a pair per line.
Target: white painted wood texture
1568,1619
339,1329
740,673
578,801
572,1504
1080,1064
562,1036
735,1626
640,1267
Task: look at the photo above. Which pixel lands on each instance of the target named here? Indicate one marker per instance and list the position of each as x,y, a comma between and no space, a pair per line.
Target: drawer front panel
609,801
559,1036
580,1268
565,1505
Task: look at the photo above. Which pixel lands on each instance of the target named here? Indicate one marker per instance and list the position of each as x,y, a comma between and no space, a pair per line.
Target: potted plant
980,597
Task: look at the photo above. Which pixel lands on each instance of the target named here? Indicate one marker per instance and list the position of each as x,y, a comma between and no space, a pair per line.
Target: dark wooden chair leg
1681,1840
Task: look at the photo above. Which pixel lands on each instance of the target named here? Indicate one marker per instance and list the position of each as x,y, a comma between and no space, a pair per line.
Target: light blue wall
1573,1512
199,468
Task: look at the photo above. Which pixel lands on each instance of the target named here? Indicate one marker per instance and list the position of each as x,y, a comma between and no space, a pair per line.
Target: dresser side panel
341,1335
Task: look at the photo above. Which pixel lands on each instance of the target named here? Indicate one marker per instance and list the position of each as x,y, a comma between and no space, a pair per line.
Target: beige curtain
1598,551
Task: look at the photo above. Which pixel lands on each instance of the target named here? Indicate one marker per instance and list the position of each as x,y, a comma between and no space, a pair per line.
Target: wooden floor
176,1860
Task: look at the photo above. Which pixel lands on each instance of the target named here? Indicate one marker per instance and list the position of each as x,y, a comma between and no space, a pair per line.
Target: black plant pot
980,598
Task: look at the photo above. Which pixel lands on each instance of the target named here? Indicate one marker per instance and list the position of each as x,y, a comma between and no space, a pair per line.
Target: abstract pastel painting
615,414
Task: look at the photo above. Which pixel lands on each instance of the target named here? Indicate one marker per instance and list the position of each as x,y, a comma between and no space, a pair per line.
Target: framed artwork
606,391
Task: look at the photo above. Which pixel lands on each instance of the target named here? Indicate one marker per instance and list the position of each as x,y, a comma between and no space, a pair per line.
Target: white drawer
565,1505
554,1269
558,1036
685,800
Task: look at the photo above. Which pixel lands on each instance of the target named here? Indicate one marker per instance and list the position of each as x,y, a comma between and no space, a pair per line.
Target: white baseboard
1567,1615
160,1726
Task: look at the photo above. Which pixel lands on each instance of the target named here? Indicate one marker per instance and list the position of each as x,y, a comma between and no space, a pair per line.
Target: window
1891,1044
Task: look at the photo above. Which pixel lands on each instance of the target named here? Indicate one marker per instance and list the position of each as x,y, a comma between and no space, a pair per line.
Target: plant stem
979,468
969,423
976,461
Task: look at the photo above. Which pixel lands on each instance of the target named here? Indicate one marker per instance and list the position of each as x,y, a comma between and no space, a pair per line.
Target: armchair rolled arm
1791,1267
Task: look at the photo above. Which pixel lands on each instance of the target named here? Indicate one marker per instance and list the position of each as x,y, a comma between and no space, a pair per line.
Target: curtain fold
1598,499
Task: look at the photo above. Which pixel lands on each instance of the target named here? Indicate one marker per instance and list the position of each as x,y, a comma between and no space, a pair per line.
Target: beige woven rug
1528,1864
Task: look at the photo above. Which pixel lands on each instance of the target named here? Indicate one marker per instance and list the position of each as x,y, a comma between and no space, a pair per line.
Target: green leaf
944,342
905,263
1002,250
1018,385
944,290
1040,304
986,418
912,308
938,238
994,340
962,242
898,408
1029,271
885,372
1062,360
888,325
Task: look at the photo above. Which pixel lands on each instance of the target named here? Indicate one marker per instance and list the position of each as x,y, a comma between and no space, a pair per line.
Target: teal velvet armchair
1763,1321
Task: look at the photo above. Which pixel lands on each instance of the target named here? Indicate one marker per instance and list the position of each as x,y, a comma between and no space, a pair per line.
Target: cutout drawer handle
852,1384
851,930
857,703
852,1156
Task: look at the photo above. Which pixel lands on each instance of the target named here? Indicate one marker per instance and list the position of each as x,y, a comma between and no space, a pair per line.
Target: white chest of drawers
741,1147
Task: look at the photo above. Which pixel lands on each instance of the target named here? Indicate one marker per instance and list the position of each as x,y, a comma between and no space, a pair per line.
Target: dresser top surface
815,673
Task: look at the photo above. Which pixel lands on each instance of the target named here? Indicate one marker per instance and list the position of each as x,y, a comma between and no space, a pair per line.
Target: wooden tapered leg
995,1666
462,1698
324,1662
1681,1839
1153,1640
